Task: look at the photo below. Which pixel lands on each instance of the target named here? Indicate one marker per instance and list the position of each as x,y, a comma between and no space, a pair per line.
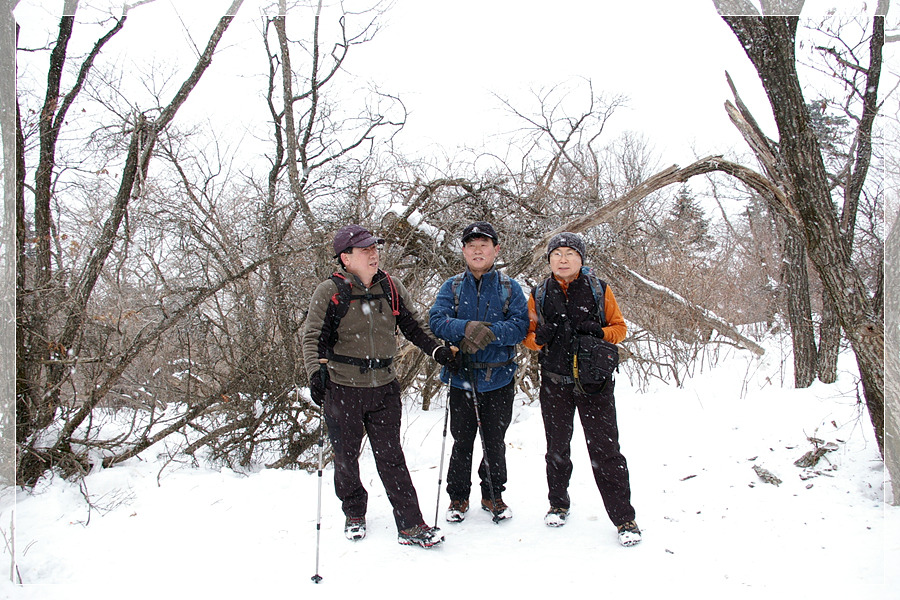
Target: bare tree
196,288
320,154
569,184
795,276
38,400
843,60
769,43
48,348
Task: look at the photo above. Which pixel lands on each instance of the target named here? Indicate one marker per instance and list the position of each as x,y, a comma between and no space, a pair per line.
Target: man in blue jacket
485,313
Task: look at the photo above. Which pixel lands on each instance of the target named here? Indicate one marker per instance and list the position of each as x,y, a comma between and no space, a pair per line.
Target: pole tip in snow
316,578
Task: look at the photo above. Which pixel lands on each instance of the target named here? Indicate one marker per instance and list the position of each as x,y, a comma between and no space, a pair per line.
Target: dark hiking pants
598,417
495,409
351,412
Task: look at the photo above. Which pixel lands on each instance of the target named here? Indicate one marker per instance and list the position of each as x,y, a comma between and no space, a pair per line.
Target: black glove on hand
590,327
318,383
478,335
445,355
545,333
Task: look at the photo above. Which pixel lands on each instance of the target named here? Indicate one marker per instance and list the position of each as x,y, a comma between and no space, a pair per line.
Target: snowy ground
711,526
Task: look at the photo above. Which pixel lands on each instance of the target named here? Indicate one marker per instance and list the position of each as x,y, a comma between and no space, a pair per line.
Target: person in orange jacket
569,309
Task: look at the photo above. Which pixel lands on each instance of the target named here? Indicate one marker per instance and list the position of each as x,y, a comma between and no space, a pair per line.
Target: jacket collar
565,284
354,280
486,275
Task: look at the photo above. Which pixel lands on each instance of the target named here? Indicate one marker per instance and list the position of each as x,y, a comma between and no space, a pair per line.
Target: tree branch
656,182
668,300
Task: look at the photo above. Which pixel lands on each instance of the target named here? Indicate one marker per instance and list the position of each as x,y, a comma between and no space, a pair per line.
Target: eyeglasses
567,254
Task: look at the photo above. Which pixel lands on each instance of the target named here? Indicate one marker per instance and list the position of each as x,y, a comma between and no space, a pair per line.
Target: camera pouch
594,360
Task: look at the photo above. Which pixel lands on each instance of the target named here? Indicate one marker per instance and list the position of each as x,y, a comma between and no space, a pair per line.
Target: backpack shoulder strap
598,289
341,298
337,309
600,298
455,282
340,301
390,290
540,296
505,290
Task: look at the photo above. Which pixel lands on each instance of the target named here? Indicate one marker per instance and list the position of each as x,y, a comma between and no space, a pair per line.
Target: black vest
556,356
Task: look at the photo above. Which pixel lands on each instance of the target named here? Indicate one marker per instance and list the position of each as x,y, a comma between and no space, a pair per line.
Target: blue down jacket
482,301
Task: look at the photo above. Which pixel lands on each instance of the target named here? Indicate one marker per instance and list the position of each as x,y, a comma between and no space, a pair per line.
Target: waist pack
594,360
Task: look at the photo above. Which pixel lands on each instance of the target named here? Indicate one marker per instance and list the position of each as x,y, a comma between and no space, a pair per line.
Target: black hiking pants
351,412
597,410
495,409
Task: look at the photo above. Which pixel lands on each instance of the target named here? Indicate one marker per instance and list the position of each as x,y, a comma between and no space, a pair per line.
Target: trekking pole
487,462
437,504
318,578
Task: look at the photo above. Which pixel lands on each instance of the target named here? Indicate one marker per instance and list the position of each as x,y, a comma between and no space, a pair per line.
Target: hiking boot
629,534
556,517
355,528
420,535
497,508
457,511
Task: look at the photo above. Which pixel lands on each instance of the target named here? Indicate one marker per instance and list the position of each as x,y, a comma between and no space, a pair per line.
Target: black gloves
478,335
545,333
318,383
445,355
590,327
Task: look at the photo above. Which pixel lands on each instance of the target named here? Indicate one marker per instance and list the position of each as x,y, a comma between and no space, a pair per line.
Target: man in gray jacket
349,345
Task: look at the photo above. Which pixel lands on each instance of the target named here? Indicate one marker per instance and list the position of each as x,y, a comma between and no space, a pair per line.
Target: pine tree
687,226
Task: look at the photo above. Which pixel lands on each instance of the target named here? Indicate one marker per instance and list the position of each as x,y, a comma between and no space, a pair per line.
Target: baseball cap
353,236
482,228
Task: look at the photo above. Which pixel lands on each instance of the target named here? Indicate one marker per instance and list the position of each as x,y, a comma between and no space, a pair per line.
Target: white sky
670,63
446,60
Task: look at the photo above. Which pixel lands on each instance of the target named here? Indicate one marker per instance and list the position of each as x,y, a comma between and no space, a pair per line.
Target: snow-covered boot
420,535
457,511
498,508
556,517
355,528
629,534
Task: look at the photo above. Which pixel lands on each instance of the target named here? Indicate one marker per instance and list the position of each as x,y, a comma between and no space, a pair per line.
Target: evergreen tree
687,226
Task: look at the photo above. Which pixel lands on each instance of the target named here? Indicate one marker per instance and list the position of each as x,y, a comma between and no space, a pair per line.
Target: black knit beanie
569,240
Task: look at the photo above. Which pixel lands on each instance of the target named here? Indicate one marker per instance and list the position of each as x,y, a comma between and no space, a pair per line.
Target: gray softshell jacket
367,331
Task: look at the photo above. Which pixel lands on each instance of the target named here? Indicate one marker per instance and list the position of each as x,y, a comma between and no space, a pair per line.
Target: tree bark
803,333
829,341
